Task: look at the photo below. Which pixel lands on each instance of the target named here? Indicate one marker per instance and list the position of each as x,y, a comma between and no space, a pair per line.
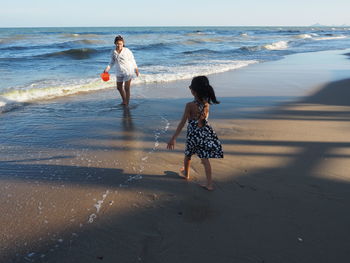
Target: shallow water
43,63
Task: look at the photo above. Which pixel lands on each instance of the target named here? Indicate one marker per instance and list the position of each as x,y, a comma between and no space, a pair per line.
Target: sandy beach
100,186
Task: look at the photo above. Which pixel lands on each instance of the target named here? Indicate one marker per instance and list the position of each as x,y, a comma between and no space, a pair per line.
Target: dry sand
110,192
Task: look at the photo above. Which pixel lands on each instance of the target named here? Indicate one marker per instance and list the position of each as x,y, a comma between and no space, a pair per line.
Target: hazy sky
173,13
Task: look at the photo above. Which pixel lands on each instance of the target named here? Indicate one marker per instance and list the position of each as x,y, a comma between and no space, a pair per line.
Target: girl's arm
171,143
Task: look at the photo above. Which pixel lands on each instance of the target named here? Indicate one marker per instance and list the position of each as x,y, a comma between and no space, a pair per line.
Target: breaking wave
45,90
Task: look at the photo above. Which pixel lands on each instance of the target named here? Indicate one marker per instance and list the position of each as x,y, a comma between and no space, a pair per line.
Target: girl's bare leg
122,92
207,168
186,169
127,85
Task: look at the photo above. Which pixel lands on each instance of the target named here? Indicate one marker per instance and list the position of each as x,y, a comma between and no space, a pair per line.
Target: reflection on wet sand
127,120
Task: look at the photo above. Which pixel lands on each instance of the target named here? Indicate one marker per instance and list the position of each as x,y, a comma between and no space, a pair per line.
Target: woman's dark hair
118,38
203,90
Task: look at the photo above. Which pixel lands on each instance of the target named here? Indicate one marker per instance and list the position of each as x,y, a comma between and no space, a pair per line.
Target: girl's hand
171,144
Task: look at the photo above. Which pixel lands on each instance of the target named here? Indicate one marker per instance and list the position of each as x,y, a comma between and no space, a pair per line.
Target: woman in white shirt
126,67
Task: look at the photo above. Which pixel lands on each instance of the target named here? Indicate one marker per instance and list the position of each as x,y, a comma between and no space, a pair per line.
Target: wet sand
98,185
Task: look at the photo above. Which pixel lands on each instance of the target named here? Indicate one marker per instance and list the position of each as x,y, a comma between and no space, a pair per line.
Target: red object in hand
105,76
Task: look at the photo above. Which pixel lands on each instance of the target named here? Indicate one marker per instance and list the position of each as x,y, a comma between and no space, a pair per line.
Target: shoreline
245,83
98,184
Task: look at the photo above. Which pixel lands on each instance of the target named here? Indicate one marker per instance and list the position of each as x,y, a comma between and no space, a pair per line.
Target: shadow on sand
263,215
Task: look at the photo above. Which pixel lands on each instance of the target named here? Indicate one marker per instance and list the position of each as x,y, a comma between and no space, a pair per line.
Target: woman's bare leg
127,85
122,92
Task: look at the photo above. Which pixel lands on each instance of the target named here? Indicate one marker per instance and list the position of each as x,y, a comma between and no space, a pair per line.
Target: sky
60,13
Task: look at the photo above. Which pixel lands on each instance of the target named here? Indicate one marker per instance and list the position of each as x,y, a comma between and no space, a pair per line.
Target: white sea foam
17,97
303,36
45,90
280,45
277,45
98,206
167,74
330,37
157,134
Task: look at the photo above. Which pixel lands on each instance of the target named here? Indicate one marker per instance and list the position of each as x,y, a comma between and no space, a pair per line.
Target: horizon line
314,25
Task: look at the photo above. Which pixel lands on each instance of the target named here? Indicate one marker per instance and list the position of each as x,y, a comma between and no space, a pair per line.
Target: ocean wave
163,74
75,53
331,37
15,48
289,31
85,42
74,35
280,45
196,33
250,48
81,42
45,90
200,51
12,39
202,40
303,36
15,98
154,46
191,42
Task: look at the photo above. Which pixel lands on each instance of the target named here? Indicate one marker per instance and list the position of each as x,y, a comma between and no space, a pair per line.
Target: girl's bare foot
207,187
183,174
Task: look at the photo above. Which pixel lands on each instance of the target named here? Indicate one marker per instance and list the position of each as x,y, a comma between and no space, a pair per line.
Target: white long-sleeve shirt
124,62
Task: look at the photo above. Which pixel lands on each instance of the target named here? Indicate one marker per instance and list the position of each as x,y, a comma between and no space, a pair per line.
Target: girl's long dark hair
203,89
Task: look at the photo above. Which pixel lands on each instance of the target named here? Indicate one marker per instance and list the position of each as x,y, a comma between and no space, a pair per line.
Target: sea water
45,63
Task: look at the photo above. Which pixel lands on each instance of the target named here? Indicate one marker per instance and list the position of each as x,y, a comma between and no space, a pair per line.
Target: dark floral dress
202,141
